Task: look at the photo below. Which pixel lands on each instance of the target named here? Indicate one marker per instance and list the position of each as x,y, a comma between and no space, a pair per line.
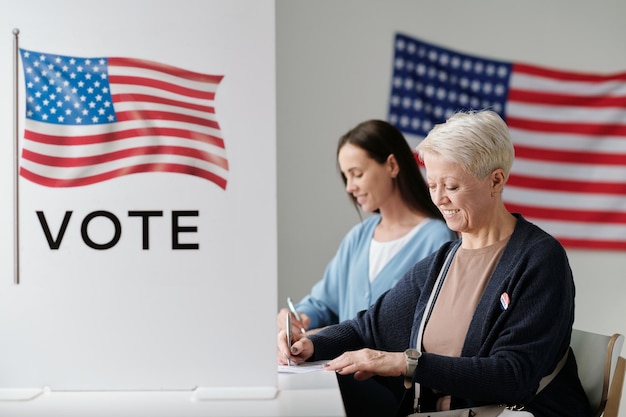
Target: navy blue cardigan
506,351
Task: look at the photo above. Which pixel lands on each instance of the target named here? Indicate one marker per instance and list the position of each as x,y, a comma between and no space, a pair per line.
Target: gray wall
334,68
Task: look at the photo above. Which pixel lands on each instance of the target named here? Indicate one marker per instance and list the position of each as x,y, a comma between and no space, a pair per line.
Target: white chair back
597,356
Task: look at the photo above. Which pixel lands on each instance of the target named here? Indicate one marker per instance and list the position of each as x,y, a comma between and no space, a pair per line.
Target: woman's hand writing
301,348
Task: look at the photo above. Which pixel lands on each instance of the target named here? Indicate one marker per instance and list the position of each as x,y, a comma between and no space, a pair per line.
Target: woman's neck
500,227
396,223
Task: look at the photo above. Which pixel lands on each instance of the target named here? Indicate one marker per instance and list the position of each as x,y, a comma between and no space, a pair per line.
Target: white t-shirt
382,252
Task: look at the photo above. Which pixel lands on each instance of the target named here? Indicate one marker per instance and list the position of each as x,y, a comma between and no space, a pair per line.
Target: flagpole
16,165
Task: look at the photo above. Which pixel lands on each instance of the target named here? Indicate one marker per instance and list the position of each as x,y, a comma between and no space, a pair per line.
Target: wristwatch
412,357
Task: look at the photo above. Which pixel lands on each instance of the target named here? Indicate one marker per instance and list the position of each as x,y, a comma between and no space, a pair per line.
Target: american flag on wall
568,129
93,119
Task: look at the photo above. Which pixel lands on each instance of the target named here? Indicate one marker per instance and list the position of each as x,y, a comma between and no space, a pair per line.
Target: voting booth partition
139,249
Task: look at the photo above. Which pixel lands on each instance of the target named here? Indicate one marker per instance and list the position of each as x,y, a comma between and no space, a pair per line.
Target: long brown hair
381,139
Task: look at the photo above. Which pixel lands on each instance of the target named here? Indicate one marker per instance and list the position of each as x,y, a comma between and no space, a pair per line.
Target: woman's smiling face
465,201
369,182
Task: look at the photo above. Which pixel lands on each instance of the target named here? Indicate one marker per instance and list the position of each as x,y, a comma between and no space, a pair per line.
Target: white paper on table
302,368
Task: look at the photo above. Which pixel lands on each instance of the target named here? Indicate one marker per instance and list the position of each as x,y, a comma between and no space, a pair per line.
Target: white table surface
307,394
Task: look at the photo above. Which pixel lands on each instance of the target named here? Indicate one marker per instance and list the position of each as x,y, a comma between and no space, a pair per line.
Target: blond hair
479,141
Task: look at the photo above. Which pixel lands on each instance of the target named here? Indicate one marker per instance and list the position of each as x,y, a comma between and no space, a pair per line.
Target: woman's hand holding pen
300,350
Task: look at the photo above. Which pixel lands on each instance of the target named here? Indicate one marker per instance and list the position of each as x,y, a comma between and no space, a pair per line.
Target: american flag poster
94,119
568,129
141,141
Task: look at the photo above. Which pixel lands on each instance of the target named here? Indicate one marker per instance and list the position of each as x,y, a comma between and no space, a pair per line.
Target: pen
288,327
292,308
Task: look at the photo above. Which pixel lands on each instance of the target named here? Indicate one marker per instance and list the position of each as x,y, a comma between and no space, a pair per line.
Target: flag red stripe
57,161
583,216
591,129
574,186
604,244
537,97
135,169
167,69
122,134
123,116
557,155
561,75
162,85
145,98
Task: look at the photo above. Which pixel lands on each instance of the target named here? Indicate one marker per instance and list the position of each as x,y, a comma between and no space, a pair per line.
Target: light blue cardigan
345,288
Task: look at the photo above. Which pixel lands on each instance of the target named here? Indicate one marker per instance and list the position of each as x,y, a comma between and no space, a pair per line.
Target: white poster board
158,280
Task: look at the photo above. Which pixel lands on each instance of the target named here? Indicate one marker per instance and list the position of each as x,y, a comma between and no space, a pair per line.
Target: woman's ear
497,180
392,166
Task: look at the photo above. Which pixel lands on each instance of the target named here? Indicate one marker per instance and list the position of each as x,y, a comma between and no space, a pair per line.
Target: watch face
412,354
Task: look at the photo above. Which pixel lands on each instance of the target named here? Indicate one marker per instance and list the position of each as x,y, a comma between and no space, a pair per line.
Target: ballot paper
302,368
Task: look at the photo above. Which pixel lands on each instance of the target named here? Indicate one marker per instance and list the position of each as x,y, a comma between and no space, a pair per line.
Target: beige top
462,288
454,308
